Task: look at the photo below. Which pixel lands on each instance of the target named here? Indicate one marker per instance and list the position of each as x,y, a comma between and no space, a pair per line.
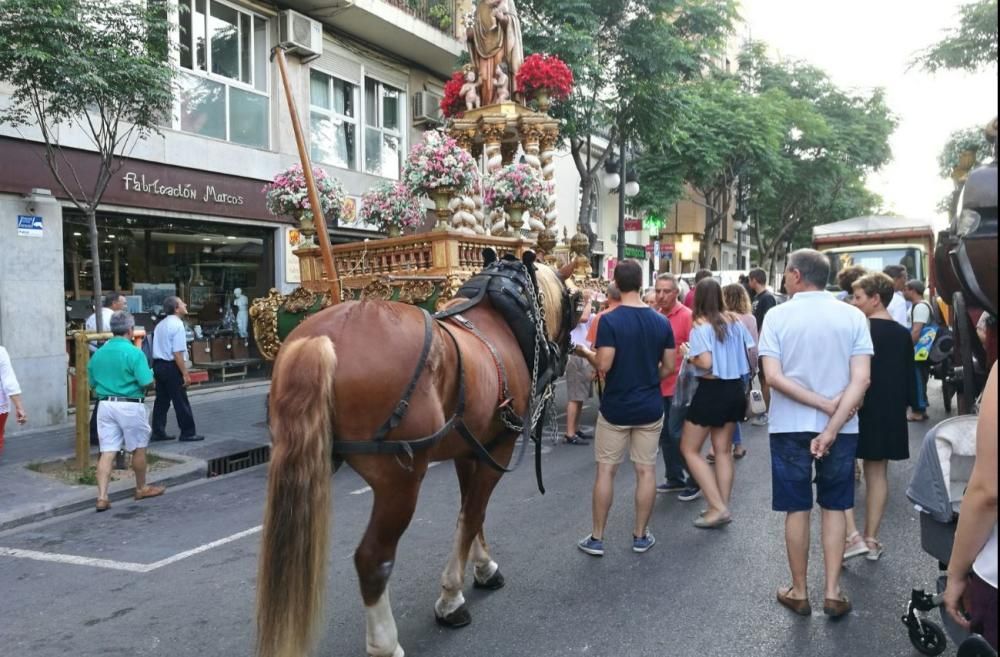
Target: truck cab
876,257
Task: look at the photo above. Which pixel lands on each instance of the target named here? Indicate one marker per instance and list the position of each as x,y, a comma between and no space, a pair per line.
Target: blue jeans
670,441
922,374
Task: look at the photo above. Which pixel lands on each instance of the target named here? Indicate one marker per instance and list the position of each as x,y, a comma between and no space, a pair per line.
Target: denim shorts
792,473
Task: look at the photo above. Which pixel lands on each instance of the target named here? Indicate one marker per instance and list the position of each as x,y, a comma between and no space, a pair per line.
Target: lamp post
619,177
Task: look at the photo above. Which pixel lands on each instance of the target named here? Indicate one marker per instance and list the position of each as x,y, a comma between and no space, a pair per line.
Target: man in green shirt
119,374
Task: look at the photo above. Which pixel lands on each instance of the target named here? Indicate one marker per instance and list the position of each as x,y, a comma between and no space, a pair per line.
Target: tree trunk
586,206
95,268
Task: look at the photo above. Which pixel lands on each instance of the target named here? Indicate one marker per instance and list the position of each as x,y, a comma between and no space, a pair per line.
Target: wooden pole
82,401
317,208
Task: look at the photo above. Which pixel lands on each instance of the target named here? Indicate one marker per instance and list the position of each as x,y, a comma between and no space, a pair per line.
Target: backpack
940,345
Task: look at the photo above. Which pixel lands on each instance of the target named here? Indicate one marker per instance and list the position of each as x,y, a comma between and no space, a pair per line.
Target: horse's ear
489,256
528,259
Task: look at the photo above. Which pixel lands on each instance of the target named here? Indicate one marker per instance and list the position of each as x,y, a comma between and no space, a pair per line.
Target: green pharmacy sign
634,251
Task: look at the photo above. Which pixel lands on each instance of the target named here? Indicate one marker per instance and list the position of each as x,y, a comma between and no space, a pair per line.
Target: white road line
127,566
368,489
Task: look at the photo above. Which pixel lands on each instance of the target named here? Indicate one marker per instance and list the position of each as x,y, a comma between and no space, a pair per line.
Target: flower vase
307,227
515,220
547,241
543,100
441,197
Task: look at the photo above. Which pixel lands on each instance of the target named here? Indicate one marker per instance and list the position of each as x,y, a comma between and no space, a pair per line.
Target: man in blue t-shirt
635,349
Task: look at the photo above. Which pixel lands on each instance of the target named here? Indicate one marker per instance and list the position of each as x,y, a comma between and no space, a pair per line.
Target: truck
877,241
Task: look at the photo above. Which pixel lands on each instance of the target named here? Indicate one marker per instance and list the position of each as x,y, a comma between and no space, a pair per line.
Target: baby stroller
937,487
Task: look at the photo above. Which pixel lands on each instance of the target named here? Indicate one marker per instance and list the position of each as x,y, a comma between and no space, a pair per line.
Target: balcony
423,31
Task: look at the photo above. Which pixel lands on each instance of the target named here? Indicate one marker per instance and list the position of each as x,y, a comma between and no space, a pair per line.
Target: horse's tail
292,570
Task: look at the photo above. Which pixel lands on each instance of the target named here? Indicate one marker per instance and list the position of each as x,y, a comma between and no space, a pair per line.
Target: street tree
626,56
972,46
87,68
832,140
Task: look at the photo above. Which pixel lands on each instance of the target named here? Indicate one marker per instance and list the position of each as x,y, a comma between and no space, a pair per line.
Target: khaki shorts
611,440
579,377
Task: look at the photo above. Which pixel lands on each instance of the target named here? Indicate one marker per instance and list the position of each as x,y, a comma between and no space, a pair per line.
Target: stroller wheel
928,638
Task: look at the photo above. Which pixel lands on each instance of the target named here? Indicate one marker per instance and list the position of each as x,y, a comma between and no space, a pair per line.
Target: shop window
223,81
333,120
383,142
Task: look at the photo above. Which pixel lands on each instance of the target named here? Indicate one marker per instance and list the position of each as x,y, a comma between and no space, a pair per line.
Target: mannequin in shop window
242,304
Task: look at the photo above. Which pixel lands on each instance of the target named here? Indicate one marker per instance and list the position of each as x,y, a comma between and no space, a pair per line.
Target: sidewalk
232,421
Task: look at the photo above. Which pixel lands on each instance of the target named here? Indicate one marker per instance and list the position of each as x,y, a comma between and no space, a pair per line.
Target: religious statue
470,90
501,83
495,39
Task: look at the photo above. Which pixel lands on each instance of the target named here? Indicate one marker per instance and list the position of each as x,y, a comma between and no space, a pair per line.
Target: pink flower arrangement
517,186
547,72
287,194
391,205
438,161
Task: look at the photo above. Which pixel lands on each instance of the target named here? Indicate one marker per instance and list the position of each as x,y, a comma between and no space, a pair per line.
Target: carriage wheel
928,638
965,333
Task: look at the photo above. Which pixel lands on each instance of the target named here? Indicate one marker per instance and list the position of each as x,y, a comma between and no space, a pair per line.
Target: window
383,129
223,89
333,120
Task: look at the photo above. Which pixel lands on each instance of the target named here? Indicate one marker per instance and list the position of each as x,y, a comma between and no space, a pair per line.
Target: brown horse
341,373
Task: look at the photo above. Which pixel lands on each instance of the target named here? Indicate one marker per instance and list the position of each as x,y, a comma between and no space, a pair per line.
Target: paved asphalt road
695,594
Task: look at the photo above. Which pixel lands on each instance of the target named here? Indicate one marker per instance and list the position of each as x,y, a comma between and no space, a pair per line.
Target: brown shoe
835,608
149,491
799,606
103,505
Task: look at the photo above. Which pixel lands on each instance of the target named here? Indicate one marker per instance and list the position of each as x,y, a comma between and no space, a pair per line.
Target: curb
83,498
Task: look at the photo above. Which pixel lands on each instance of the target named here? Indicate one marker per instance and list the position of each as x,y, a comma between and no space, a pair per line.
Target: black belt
135,400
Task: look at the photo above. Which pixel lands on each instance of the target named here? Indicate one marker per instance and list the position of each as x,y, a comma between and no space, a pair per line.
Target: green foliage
972,46
627,56
88,477
831,140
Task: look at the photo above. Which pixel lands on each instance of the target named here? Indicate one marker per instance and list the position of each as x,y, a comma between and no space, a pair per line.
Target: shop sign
29,225
633,224
208,194
635,251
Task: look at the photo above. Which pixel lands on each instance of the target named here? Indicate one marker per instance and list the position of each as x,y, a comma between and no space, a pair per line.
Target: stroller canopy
943,467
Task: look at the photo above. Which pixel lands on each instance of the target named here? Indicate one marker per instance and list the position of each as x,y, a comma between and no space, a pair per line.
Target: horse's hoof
492,584
458,618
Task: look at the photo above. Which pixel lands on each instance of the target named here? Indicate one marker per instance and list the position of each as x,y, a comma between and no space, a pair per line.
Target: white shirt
814,336
91,324
169,337
986,563
579,334
897,308
8,381
920,313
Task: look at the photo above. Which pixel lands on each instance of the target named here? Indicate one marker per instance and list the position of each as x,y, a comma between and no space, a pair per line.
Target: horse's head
559,307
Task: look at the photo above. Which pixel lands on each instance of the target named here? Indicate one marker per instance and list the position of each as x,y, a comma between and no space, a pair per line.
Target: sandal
800,606
739,452
875,549
855,546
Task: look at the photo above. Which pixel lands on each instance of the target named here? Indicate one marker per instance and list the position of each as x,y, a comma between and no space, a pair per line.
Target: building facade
186,214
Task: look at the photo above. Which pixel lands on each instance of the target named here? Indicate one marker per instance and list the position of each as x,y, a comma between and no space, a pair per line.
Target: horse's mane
551,289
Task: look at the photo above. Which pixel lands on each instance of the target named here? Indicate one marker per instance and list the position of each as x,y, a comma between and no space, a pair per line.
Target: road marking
127,566
368,489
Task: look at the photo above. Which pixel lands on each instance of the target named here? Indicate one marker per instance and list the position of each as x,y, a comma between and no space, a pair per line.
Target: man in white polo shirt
170,370
816,353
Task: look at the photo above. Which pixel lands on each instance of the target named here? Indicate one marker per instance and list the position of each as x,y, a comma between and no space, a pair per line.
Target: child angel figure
470,90
501,83
500,10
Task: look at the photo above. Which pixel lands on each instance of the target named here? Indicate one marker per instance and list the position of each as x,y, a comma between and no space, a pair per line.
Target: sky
863,44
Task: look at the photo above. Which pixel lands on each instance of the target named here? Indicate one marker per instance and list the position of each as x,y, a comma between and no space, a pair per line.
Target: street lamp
631,183
740,227
611,177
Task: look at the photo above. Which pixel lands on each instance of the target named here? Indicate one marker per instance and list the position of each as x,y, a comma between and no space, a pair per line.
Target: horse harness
476,292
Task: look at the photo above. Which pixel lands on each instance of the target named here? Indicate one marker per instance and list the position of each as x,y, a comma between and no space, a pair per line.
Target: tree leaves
972,46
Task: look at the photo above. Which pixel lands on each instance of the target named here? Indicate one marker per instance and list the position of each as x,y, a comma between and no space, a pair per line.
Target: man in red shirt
698,277
680,318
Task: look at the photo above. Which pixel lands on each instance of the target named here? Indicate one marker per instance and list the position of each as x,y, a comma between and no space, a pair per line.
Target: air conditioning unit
300,34
427,107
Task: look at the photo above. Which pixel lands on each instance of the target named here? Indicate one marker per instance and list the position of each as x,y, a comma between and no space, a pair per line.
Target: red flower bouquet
545,73
453,105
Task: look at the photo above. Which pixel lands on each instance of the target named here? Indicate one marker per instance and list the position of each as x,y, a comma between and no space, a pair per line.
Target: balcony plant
544,78
288,196
514,189
392,208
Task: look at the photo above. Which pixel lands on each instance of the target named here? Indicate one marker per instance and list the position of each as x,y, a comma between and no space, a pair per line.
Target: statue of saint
495,38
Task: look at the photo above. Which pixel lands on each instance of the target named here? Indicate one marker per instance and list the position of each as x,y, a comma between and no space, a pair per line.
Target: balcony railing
440,14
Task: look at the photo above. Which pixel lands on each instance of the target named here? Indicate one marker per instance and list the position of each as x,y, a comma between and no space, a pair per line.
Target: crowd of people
835,377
